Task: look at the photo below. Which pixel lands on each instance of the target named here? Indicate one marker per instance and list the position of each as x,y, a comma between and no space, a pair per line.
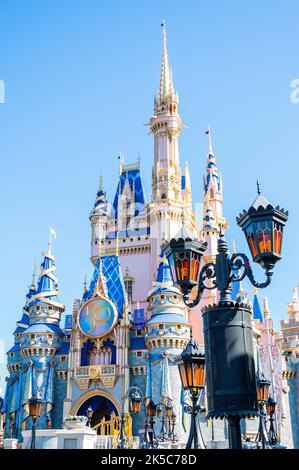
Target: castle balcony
107,374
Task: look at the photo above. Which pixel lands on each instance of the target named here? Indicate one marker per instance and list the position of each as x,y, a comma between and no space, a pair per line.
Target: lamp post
191,365
164,411
270,407
262,394
151,413
227,325
172,434
136,398
35,410
89,414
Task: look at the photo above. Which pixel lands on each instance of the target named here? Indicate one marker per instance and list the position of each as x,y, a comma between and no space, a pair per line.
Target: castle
131,322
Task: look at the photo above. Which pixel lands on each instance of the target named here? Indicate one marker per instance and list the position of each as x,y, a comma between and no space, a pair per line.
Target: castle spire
212,178
46,295
166,83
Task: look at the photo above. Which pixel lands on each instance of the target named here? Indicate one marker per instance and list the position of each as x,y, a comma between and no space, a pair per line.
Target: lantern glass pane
277,236
251,241
263,236
194,266
266,393
182,263
172,267
199,375
189,372
183,375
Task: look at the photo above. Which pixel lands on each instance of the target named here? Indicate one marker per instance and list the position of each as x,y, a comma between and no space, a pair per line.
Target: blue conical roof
23,323
257,313
164,273
47,291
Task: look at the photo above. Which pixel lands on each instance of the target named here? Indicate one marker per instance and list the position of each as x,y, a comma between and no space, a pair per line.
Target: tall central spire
166,84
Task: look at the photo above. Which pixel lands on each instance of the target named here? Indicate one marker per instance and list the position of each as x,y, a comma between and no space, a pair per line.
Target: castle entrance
103,410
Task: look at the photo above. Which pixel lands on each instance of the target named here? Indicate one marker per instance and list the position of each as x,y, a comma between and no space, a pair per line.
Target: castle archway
102,403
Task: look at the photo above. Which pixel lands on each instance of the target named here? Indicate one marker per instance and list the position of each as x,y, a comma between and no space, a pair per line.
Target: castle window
96,242
163,196
178,327
161,327
129,287
139,353
138,333
63,358
50,336
32,336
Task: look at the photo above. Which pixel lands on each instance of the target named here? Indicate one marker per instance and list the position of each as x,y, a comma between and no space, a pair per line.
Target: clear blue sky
80,77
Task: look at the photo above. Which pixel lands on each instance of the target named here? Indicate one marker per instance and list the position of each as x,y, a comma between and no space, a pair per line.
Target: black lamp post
262,394
164,411
270,407
89,414
136,398
35,410
172,434
191,365
151,413
227,325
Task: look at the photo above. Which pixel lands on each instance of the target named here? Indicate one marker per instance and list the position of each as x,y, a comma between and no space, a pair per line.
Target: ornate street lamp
35,410
227,325
136,398
172,434
191,365
263,386
164,411
89,414
270,407
151,413
135,401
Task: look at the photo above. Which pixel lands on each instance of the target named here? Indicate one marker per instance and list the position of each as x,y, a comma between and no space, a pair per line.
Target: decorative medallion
97,318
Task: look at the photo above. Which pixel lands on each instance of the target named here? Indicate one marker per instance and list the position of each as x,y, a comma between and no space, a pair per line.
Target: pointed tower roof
101,204
166,88
23,323
47,291
257,313
164,274
212,174
163,283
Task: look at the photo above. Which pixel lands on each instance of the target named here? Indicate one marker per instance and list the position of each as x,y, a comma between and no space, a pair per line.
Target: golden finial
101,182
234,247
255,290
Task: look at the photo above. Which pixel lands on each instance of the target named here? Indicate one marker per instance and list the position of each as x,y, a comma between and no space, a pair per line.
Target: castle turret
99,220
167,207
167,333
